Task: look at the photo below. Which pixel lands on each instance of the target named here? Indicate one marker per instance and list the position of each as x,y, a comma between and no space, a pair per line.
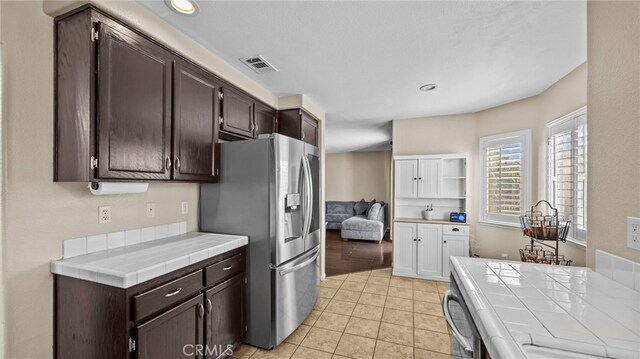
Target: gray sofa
342,215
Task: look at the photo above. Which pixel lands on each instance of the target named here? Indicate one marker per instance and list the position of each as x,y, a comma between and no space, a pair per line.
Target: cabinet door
265,120
453,246
195,130
237,113
134,106
430,250
406,178
404,248
225,318
167,335
309,130
429,178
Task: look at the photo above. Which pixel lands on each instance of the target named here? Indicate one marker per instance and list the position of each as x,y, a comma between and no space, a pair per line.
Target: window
567,170
505,177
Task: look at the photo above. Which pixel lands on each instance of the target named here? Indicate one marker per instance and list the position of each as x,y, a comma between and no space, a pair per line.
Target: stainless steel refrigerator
269,191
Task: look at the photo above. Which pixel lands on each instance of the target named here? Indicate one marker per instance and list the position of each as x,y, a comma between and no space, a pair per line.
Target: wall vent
258,64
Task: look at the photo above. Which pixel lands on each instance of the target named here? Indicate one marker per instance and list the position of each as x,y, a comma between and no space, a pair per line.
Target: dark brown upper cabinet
195,131
265,119
134,106
297,123
237,113
128,108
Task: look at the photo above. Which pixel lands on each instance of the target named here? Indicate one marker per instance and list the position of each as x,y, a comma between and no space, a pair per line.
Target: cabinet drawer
452,230
166,295
223,270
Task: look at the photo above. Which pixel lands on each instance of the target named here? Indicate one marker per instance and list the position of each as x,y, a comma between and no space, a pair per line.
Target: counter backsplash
84,245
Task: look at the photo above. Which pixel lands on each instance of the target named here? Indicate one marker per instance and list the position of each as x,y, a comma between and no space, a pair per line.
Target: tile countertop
429,221
127,266
526,310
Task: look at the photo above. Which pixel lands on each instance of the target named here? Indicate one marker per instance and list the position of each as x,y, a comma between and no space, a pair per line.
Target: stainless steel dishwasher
465,339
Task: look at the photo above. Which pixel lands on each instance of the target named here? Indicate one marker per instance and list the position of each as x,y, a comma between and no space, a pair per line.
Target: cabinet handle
200,310
414,239
419,240
445,241
173,293
415,179
209,305
420,178
456,230
227,267
177,163
167,162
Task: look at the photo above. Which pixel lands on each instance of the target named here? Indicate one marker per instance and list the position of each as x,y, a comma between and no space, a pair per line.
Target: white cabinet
418,178
429,250
406,178
404,248
422,250
429,178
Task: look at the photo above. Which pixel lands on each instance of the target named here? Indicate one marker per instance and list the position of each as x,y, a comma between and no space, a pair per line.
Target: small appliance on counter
458,217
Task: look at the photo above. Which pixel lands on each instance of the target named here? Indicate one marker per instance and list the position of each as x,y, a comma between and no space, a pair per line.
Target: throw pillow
360,207
375,211
371,205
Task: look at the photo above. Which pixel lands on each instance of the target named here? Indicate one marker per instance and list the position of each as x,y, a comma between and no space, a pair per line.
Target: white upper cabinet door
430,178
406,178
404,248
453,246
430,250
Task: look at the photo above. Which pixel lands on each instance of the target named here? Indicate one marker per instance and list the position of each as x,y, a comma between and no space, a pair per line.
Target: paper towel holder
109,188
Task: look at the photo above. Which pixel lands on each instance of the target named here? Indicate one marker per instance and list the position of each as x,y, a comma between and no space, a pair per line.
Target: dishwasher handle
449,296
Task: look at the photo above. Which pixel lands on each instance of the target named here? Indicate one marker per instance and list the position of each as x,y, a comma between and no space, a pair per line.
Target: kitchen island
526,310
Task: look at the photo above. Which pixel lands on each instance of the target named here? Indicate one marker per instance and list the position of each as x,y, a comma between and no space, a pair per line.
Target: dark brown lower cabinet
177,333
182,314
225,303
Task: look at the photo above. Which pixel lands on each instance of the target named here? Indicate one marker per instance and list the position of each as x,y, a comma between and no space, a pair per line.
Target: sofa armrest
382,215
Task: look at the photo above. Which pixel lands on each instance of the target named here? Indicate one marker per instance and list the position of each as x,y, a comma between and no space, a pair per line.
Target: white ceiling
364,61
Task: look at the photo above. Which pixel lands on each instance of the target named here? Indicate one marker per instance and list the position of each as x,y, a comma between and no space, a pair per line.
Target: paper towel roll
107,188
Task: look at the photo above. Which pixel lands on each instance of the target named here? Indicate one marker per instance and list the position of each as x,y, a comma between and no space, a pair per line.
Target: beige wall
355,175
39,214
441,135
614,125
462,133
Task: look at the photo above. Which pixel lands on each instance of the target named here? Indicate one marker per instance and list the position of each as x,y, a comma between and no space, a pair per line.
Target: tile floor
368,315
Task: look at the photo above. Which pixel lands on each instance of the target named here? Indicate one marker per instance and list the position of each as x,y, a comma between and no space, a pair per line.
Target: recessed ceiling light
428,87
183,7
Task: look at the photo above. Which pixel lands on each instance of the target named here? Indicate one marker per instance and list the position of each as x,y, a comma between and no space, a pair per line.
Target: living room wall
462,133
351,176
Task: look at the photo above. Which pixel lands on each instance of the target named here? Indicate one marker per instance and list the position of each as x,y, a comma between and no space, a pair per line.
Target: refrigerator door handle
314,256
309,200
303,190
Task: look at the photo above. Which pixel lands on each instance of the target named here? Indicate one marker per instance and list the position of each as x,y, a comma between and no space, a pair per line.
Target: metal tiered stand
546,229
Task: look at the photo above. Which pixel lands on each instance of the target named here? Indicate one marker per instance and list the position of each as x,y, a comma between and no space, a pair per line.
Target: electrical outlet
104,214
185,207
151,210
633,232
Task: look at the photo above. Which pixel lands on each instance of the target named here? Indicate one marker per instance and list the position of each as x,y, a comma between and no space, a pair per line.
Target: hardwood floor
355,255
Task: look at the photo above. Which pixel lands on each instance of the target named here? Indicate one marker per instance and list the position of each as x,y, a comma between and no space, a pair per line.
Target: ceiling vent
258,64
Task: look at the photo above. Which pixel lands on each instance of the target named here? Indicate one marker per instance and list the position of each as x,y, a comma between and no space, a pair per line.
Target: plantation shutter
503,179
568,171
